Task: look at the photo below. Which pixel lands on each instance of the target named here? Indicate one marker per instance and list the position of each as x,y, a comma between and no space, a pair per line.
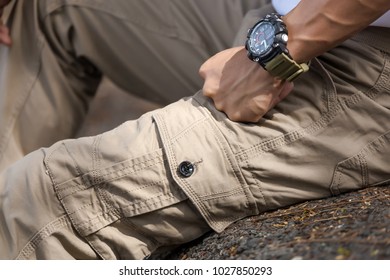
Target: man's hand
241,88
4,31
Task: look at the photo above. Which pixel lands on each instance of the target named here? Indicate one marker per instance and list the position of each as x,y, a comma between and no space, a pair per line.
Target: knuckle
210,91
219,106
236,116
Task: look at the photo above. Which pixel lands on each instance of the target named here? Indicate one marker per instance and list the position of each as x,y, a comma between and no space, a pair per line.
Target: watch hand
265,44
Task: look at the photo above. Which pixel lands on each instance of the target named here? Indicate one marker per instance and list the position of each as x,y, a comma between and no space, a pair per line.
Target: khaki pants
178,172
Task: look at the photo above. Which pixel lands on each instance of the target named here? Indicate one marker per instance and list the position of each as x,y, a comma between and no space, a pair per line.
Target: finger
4,36
202,71
211,86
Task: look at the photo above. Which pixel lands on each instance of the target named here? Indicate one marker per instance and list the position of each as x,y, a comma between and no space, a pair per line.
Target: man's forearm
317,26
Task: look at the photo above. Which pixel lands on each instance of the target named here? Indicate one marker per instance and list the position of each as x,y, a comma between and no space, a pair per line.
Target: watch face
261,38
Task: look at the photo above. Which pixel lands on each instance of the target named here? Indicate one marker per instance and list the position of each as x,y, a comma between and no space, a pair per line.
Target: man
178,172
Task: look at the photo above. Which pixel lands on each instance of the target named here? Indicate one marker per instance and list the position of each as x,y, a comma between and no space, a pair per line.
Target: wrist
296,42
267,45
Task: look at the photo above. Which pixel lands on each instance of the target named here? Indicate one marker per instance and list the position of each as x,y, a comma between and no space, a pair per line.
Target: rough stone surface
351,226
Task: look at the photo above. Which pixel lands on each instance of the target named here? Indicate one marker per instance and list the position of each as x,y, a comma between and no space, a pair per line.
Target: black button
186,168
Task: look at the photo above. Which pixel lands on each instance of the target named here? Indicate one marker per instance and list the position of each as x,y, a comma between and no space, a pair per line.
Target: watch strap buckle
285,68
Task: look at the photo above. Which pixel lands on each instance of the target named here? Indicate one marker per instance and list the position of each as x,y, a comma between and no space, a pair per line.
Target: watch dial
262,38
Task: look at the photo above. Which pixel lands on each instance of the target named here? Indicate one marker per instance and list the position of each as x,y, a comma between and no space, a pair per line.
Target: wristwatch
267,44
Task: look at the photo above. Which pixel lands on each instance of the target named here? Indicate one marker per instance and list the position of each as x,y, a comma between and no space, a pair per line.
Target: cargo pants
183,170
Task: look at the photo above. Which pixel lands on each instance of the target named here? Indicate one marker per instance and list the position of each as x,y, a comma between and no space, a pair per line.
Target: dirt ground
350,226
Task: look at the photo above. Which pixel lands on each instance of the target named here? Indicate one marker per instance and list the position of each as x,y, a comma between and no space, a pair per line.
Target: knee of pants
58,26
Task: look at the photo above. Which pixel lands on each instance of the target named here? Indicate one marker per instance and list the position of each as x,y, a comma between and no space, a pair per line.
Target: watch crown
285,38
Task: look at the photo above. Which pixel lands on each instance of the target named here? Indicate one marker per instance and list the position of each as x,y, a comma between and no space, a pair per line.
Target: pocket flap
368,168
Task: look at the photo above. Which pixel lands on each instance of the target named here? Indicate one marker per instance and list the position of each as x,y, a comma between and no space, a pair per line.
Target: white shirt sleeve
282,7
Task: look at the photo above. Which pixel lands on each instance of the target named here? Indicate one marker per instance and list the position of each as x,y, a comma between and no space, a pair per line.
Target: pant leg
83,199
155,48
61,49
329,136
169,180
33,224
42,100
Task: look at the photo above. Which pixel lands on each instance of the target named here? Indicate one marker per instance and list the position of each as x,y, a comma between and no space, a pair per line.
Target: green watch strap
285,68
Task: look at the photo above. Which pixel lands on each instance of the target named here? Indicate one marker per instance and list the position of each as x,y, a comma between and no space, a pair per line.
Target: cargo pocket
370,167
104,180
202,163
